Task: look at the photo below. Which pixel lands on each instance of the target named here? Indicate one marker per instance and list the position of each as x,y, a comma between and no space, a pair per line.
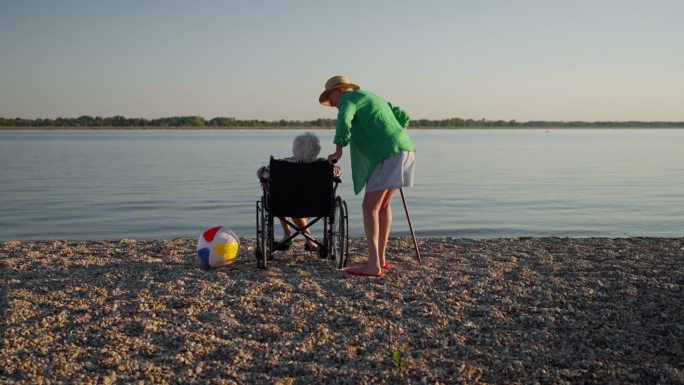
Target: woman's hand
333,158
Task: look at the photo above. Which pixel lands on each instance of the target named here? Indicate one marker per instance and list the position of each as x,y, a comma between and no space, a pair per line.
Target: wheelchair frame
335,242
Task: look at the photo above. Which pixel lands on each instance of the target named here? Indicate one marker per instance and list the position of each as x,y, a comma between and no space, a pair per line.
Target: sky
520,60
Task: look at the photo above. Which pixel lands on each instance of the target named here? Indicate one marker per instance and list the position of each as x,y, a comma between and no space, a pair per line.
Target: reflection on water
469,183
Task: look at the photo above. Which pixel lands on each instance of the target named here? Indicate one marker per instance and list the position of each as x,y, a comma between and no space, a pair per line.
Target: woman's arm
401,115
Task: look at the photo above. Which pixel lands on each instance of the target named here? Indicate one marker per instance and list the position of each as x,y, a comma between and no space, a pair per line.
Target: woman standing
382,160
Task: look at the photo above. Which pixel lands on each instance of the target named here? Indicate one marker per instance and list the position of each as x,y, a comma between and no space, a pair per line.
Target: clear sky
258,59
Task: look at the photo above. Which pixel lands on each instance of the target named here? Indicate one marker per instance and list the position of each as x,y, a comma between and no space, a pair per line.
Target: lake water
491,183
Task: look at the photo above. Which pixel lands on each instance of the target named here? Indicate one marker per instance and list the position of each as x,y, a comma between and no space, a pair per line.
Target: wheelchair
302,190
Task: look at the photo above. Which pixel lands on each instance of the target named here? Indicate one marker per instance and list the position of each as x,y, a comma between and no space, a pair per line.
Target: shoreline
144,128
548,310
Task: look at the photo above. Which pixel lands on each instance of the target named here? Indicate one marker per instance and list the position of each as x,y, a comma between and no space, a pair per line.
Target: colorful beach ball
218,246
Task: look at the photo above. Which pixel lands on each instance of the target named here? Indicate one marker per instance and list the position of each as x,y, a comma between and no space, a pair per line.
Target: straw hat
332,84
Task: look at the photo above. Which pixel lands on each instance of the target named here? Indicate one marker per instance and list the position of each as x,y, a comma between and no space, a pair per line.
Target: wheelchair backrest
301,190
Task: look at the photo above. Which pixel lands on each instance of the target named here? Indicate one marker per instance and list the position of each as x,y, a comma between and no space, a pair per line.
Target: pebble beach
494,311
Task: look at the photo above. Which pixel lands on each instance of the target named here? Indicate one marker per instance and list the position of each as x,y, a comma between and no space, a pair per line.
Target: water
163,184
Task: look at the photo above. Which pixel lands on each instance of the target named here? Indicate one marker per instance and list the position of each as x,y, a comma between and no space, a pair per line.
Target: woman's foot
310,246
282,246
365,271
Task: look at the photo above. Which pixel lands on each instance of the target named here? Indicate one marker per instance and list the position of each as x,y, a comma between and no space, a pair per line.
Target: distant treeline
199,122
175,121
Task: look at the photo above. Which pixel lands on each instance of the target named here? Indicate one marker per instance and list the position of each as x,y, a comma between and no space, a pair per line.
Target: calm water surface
469,183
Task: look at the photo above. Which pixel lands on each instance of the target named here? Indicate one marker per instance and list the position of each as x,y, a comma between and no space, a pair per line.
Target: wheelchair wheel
262,249
340,234
259,248
269,237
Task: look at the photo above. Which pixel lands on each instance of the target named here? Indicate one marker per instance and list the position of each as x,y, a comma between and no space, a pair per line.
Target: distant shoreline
170,128
199,122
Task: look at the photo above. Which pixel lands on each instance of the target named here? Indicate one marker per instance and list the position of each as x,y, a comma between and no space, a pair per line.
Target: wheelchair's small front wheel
340,234
323,252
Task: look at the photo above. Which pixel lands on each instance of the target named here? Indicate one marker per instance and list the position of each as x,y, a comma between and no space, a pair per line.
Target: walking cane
415,243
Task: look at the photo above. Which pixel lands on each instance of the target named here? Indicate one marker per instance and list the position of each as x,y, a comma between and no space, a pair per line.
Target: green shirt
374,129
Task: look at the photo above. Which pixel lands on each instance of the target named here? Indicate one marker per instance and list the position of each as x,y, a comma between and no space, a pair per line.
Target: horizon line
320,119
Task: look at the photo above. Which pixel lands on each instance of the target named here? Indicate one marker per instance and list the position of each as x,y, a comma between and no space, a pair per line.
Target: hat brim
323,99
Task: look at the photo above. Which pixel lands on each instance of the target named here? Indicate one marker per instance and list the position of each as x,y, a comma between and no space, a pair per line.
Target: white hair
306,147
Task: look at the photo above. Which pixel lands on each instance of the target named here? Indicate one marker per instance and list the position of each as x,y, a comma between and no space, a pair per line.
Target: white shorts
394,172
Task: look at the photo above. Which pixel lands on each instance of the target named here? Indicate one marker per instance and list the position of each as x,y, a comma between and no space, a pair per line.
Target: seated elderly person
305,149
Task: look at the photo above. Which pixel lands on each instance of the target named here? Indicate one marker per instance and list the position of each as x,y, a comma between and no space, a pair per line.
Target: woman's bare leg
286,229
385,224
372,205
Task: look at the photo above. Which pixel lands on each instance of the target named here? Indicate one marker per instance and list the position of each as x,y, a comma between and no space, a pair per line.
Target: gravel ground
521,310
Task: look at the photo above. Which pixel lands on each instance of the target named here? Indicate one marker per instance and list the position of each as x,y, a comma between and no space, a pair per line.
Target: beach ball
218,246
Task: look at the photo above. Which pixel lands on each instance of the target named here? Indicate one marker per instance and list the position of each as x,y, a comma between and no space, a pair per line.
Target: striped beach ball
218,246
